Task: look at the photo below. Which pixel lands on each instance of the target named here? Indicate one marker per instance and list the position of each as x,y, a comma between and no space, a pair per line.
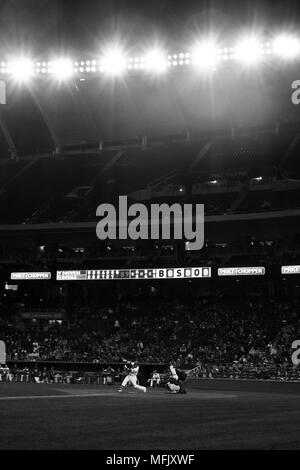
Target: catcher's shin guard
173,388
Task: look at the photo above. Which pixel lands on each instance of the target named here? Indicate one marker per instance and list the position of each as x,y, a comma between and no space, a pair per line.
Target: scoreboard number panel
119,274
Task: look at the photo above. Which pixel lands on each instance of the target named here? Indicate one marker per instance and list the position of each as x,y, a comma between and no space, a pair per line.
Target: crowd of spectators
232,338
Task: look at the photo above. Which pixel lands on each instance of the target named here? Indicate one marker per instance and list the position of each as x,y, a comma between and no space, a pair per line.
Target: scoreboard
290,269
148,273
242,271
119,274
31,276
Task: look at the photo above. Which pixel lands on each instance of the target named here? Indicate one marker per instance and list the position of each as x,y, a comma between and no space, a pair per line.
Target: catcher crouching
176,380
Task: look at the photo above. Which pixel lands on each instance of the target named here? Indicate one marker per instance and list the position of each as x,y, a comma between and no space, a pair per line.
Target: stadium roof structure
205,55
45,115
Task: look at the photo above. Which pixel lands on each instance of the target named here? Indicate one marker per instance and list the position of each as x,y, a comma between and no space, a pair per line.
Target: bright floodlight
286,46
22,69
113,62
249,51
156,61
62,69
205,55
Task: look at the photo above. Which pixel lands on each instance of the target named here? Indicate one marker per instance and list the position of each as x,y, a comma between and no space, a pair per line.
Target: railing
91,372
72,372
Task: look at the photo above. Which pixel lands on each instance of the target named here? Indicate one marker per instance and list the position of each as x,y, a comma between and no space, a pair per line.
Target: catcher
176,380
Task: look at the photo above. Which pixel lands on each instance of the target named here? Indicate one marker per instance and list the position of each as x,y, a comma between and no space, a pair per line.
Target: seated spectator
24,374
108,376
8,377
58,378
155,379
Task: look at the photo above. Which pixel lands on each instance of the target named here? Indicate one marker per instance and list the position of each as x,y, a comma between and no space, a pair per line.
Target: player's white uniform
172,387
173,372
132,378
155,379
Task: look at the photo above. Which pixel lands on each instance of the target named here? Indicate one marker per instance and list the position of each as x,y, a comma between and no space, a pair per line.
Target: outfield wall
244,385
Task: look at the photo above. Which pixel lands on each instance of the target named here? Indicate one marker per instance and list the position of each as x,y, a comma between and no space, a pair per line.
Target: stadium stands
223,337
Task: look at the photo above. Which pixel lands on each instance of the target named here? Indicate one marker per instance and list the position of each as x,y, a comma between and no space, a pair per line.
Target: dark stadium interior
229,140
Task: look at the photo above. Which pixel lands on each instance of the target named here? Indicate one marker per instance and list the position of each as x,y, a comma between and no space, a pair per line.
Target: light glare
62,69
113,62
156,61
205,55
286,46
22,69
249,51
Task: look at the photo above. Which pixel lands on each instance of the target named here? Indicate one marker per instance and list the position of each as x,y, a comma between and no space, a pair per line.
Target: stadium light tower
205,55
156,61
113,62
286,46
62,69
22,69
249,51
